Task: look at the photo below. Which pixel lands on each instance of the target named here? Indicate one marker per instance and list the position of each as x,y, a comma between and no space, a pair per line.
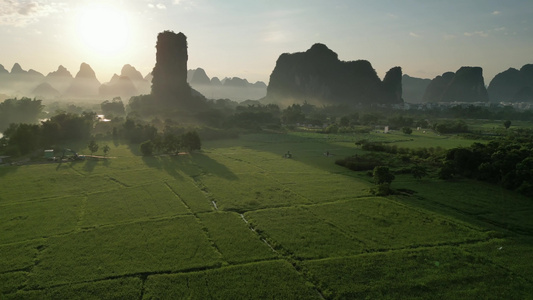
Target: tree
382,175
407,130
147,148
171,143
419,172
115,107
93,146
507,124
106,150
191,141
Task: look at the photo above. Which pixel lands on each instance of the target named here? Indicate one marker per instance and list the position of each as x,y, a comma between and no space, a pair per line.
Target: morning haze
194,149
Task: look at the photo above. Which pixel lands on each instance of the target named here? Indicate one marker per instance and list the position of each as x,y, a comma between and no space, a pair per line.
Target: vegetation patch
448,272
161,246
234,239
129,204
298,233
40,218
122,288
381,224
263,280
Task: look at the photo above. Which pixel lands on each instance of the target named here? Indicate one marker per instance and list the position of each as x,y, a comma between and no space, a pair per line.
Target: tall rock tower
169,82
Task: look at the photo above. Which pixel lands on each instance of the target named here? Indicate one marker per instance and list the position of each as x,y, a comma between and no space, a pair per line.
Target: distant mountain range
319,75
467,85
61,84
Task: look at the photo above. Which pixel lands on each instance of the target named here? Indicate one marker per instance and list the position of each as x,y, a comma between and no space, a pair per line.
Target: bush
407,130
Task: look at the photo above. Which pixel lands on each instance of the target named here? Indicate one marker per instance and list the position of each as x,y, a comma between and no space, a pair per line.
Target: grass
233,238
443,273
40,218
170,227
162,246
122,288
264,280
129,204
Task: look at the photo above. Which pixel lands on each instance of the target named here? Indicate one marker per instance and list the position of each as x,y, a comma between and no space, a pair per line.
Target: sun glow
103,30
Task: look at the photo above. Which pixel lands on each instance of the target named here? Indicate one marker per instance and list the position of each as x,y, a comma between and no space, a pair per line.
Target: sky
245,38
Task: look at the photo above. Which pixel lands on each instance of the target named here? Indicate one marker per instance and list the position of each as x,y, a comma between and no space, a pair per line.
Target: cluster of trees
23,138
24,110
254,116
508,162
423,152
445,127
113,108
171,143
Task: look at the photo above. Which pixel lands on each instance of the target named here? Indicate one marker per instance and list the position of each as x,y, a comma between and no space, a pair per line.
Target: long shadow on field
169,164
211,166
5,170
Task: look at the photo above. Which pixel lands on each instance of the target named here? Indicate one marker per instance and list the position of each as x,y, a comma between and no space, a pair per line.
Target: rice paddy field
236,220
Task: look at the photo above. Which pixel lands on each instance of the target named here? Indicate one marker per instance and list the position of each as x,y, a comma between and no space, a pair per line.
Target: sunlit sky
245,38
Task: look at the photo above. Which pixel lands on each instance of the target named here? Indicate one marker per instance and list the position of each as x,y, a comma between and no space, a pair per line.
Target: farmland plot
446,272
47,181
123,288
296,232
191,195
158,246
252,191
382,224
135,227
234,239
263,280
40,218
128,204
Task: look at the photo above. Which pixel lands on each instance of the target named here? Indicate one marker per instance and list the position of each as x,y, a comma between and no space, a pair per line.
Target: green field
238,221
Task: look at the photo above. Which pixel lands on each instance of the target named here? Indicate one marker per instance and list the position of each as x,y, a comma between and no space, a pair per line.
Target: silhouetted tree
407,130
114,107
382,175
191,141
507,124
147,148
93,146
106,149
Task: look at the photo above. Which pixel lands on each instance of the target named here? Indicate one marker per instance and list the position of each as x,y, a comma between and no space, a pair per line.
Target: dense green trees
24,138
171,143
114,107
508,162
407,130
24,110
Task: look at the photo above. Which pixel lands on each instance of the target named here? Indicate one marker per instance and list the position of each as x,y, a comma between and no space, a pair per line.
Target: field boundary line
200,223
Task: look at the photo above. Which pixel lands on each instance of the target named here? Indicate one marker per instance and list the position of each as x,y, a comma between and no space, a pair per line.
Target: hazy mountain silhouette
466,85
20,82
413,88
319,77
60,79
3,70
141,83
233,88
119,86
198,77
215,81
437,86
512,85
45,91
85,84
